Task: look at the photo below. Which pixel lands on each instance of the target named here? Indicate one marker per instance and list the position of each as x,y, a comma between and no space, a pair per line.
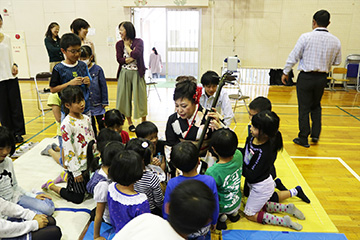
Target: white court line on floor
334,158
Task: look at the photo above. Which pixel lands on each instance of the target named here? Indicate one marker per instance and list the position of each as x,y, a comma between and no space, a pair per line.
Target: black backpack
275,77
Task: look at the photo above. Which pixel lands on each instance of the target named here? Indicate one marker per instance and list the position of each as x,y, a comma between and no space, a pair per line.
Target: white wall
261,32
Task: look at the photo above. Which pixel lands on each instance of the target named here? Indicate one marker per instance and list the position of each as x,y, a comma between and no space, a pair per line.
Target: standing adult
52,44
11,111
130,56
155,64
81,28
316,52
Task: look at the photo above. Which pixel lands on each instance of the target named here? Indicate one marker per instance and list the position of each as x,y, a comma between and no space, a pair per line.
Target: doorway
175,33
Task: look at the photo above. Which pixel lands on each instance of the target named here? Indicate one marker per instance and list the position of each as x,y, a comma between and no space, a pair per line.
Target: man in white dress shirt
316,52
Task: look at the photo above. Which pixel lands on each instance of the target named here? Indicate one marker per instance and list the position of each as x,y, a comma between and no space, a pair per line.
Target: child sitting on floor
185,157
149,131
76,132
227,174
105,136
99,182
9,188
115,120
257,105
149,182
28,224
259,155
123,201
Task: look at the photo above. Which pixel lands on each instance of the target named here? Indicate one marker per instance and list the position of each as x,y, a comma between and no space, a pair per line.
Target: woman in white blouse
11,112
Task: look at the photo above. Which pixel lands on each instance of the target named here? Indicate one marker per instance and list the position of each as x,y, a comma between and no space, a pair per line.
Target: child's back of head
191,206
225,142
268,123
126,168
105,136
210,78
184,156
145,129
110,150
7,139
142,146
113,119
260,104
69,39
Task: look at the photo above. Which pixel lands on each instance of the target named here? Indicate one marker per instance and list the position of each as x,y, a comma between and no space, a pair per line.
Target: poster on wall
18,45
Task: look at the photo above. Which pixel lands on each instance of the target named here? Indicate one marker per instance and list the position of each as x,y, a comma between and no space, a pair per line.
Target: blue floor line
27,140
74,210
46,112
348,113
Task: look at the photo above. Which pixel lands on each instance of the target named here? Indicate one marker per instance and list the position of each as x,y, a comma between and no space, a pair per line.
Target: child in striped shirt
150,182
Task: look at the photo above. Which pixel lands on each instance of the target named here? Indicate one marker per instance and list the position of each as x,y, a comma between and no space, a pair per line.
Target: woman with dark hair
52,44
80,27
11,111
155,64
188,122
130,56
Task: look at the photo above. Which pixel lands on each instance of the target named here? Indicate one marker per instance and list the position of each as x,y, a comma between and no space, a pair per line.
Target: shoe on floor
132,128
280,185
234,218
221,225
314,139
19,139
302,195
299,142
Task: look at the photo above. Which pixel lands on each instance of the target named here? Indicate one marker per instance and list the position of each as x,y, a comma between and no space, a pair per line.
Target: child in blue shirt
98,89
185,157
71,71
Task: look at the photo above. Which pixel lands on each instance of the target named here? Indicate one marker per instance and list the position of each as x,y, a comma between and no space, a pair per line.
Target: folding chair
40,101
233,64
343,79
352,63
150,83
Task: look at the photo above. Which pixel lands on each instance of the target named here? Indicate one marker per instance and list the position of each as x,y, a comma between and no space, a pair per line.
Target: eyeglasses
73,51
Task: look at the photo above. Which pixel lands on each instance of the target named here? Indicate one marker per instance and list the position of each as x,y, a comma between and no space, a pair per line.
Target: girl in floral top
76,132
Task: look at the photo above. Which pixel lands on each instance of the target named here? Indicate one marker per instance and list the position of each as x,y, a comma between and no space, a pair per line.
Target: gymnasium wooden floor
331,168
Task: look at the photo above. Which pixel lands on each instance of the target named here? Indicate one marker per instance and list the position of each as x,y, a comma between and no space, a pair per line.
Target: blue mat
106,231
269,235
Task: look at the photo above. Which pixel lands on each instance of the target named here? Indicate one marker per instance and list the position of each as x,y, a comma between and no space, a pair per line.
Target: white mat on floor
32,170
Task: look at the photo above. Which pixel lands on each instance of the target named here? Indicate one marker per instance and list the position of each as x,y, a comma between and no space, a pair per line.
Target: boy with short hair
185,157
210,82
71,71
227,174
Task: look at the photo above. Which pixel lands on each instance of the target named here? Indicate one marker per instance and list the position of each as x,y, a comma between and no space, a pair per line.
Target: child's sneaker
61,178
221,225
54,146
234,218
302,195
45,152
47,185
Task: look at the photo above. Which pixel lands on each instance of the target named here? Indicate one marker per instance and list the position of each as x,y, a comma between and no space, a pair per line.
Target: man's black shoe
19,139
299,142
314,139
